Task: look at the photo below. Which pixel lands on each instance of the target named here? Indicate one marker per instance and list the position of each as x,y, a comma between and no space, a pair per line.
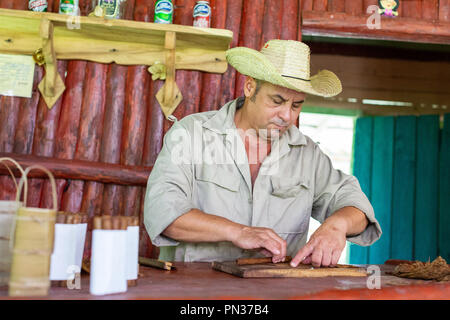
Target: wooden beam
422,85
365,109
340,24
82,170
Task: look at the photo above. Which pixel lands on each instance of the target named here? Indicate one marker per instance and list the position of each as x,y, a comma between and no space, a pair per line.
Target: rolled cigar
107,223
116,223
396,262
124,222
160,264
84,218
135,221
245,261
132,283
77,218
97,222
60,217
69,218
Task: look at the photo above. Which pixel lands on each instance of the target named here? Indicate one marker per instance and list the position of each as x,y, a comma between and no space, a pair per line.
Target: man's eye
277,102
296,106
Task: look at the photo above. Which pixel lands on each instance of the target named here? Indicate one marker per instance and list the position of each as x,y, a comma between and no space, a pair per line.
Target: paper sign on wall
16,75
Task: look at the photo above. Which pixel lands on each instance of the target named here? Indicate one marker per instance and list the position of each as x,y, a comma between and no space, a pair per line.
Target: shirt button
250,200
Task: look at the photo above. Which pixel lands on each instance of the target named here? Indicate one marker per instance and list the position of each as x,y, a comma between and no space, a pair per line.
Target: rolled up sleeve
169,186
335,190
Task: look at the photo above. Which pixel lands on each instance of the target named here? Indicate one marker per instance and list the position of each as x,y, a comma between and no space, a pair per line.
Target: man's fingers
326,257
272,246
266,253
281,242
316,258
302,253
307,260
335,257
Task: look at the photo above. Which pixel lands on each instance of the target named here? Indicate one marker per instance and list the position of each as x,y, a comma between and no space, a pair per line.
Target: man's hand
197,226
326,244
323,248
264,239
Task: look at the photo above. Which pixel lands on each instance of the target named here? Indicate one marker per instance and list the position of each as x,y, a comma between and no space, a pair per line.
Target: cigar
77,218
124,222
107,223
396,262
61,217
247,261
165,265
97,222
116,223
70,218
84,218
135,221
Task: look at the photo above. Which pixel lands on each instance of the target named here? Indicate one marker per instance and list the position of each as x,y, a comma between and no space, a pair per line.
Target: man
244,181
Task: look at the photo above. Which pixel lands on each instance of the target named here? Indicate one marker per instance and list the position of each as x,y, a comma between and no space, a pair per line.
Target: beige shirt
203,165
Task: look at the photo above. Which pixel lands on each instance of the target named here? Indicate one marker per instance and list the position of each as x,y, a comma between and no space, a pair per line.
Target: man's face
274,108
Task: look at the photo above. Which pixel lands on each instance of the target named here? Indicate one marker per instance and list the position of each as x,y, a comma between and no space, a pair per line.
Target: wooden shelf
121,41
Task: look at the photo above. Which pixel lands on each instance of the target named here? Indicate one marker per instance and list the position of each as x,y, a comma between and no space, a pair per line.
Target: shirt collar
223,120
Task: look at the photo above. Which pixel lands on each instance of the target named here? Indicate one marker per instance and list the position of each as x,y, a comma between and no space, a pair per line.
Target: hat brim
254,64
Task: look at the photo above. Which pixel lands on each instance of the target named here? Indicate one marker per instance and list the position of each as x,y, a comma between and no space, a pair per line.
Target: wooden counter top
200,281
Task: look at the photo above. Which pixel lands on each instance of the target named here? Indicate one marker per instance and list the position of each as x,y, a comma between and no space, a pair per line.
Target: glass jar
112,9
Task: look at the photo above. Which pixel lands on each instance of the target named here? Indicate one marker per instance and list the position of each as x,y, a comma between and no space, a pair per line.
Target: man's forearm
351,220
197,226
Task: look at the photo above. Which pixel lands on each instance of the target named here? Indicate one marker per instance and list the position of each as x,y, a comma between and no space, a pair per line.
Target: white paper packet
132,252
108,272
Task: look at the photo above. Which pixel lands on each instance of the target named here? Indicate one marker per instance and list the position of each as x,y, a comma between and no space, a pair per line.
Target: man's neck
249,134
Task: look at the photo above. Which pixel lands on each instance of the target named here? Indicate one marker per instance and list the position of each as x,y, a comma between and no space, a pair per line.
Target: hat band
295,78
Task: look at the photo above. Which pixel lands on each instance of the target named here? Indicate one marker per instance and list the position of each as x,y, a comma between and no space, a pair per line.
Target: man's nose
285,113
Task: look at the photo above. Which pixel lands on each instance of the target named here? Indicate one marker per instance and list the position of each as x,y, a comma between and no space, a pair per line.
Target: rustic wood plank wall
444,191
109,114
402,166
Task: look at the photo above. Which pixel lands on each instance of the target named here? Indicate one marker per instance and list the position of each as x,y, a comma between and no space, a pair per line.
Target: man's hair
259,83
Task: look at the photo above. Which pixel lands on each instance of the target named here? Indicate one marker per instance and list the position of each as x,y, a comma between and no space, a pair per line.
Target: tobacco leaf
437,270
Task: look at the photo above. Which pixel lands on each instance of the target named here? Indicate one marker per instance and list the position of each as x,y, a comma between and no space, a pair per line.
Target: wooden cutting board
284,270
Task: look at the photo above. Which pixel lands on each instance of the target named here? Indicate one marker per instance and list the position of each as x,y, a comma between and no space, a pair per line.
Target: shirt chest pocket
216,189
290,204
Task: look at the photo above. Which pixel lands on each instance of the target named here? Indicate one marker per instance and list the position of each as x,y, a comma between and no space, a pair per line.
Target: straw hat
284,63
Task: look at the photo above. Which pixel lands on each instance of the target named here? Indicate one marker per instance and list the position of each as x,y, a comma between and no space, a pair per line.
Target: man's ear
249,86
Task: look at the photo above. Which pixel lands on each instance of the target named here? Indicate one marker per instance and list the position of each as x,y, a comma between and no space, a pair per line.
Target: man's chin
270,134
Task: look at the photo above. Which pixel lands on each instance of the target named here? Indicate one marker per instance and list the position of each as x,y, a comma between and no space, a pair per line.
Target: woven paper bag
8,209
33,245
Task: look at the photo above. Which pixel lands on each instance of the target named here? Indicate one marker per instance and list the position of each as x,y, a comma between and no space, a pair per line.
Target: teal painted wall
403,166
